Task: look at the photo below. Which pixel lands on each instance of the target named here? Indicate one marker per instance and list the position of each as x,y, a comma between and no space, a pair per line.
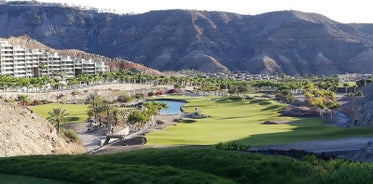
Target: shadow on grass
273,107
188,121
236,117
73,118
260,101
307,129
229,100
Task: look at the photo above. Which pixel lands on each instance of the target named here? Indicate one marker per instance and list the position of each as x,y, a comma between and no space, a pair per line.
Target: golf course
229,119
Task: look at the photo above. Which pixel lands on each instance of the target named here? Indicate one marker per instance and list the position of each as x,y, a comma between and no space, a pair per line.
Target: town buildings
22,62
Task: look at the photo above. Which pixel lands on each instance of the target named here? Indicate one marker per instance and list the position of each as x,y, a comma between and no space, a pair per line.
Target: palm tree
106,108
115,115
94,111
23,99
57,117
94,99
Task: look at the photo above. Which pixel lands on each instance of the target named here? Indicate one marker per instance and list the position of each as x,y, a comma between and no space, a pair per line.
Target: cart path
334,145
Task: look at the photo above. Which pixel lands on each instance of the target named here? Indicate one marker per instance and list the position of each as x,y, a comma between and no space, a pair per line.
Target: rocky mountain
291,42
24,133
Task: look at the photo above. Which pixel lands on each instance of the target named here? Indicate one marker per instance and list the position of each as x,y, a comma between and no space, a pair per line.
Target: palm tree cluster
8,82
102,111
140,118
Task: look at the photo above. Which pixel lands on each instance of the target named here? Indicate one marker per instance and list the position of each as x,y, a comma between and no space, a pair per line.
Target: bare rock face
24,133
361,108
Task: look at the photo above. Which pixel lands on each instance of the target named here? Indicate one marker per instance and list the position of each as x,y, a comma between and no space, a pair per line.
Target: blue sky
345,11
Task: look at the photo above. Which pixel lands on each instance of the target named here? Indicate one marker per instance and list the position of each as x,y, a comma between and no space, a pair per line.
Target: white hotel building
22,62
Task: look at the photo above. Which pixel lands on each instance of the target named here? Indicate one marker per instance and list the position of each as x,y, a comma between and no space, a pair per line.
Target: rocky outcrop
300,111
360,109
24,133
365,154
291,42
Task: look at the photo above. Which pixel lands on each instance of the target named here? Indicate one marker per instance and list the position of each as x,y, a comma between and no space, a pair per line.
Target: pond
174,107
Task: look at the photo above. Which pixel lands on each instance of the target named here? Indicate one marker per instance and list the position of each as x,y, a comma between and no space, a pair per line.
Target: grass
77,112
16,179
234,119
185,165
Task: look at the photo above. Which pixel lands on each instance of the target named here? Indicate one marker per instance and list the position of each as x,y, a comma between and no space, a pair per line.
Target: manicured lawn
241,121
77,112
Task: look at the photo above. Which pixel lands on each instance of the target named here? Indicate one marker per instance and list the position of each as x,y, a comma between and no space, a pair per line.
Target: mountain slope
292,42
23,133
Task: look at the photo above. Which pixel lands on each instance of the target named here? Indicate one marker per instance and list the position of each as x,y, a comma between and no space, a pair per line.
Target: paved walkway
335,145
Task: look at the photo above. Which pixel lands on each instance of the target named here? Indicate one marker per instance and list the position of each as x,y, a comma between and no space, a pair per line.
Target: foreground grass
16,179
234,119
186,165
77,112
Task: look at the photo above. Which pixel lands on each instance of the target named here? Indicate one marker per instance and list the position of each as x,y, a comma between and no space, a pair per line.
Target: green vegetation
71,134
186,165
57,117
16,179
77,112
241,120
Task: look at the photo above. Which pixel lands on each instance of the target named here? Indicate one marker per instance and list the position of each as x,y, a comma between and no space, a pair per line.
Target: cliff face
24,133
292,42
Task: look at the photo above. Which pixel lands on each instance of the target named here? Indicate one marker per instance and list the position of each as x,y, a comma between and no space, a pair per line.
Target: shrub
151,93
125,98
75,92
71,134
37,102
139,95
359,93
232,146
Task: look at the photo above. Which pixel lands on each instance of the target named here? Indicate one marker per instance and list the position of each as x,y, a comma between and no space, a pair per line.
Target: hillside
292,42
24,133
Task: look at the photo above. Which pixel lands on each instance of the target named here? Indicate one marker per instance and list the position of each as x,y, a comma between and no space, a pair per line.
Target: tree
137,118
94,99
106,108
115,115
23,99
57,117
94,111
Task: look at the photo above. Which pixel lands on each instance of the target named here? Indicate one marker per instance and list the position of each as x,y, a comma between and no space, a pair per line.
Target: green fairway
77,112
241,121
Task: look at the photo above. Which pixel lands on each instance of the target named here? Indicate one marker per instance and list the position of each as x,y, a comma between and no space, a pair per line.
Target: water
173,107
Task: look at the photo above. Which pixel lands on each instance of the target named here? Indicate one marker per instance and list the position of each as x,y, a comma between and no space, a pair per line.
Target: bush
71,134
37,102
231,146
75,92
359,93
125,98
139,96
151,93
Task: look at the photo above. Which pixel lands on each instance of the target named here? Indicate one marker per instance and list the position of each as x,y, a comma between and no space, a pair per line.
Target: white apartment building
22,62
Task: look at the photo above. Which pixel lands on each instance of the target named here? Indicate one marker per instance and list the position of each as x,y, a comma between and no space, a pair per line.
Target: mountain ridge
290,42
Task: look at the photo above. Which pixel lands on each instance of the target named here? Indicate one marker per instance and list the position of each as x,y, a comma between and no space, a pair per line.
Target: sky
344,11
